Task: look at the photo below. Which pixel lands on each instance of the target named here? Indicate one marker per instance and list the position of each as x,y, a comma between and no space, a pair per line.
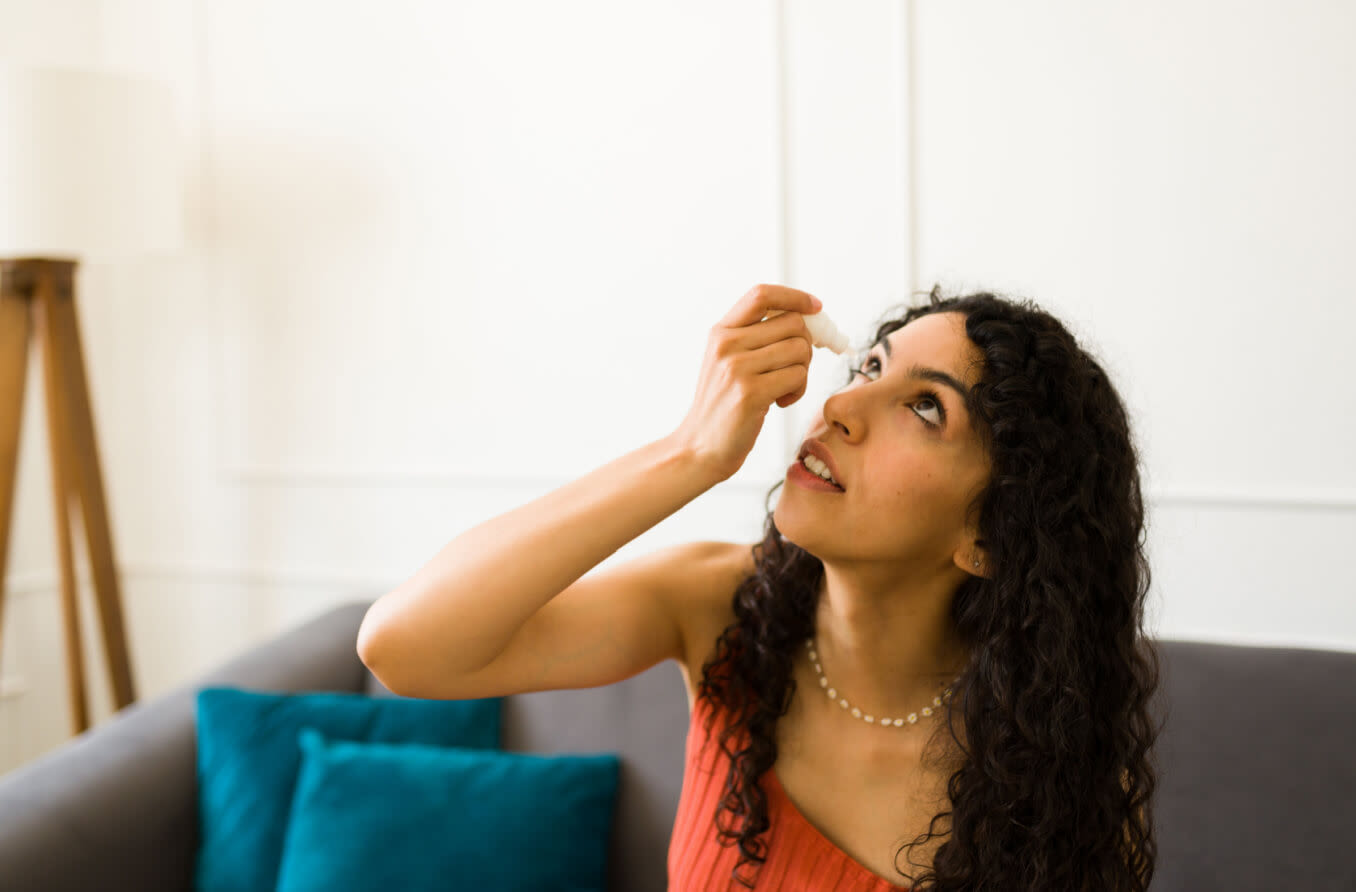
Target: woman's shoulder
702,598
699,575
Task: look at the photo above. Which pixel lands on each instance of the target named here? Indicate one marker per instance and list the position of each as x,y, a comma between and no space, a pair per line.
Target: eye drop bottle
822,331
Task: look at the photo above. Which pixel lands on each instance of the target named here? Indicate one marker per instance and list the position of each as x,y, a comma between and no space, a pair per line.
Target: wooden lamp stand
37,304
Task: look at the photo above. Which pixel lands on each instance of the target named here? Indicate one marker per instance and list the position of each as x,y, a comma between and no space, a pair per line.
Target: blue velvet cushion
413,817
248,761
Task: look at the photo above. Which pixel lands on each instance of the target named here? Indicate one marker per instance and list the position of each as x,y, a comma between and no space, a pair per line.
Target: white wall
444,257
1175,179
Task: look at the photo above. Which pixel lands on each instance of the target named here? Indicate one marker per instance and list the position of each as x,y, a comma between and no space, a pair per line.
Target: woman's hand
750,363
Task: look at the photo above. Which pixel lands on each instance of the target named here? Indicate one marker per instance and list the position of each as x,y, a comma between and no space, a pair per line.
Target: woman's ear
973,559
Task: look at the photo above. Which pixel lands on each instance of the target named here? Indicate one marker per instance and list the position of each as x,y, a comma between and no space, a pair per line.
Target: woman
930,670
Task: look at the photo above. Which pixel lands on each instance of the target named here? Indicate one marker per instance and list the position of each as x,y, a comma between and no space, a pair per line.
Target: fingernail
816,303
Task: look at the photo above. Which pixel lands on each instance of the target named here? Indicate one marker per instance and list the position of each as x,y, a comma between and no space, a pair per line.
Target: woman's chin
798,527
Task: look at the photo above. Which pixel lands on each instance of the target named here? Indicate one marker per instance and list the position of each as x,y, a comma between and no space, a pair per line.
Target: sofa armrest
116,807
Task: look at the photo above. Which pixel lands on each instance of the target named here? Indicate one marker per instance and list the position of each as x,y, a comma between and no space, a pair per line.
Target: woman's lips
802,476
821,452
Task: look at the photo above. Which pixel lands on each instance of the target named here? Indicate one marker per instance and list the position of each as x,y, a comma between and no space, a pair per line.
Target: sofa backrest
1257,768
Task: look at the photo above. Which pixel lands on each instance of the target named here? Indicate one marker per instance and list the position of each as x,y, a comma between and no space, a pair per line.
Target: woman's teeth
819,468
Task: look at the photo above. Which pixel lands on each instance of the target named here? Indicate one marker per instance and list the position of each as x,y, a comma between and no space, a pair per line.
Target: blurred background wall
445,256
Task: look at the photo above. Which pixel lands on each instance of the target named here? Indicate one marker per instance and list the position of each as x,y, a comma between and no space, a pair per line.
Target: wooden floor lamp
86,170
38,297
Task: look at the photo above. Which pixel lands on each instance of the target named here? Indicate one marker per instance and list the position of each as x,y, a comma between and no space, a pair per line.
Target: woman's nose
842,412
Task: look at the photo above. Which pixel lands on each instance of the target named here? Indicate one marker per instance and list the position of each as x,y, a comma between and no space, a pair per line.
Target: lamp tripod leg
58,433
89,489
16,328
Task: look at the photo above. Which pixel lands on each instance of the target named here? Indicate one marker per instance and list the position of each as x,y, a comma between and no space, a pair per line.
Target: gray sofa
1258,762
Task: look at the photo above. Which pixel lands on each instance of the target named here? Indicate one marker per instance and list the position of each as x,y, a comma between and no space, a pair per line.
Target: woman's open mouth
801,475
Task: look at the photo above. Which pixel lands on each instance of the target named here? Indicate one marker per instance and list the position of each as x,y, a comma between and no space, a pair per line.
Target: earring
976,563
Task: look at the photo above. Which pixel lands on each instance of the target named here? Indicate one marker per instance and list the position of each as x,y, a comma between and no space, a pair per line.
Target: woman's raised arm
503,608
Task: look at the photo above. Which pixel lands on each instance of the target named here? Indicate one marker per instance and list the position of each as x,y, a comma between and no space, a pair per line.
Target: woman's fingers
750,363
781,384
778,355
790,398
787,326
760,300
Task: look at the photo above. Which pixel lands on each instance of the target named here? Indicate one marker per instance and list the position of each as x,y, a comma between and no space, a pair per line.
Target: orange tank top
798,855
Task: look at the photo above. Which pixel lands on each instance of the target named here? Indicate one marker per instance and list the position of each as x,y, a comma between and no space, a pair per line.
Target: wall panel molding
31,583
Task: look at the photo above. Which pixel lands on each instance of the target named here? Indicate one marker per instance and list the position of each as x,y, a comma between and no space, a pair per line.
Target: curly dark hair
1054,791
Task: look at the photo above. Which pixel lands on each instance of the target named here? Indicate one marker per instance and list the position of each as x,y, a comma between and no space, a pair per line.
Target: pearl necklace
832,693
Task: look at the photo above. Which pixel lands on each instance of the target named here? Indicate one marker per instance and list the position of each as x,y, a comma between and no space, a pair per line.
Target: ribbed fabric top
798,855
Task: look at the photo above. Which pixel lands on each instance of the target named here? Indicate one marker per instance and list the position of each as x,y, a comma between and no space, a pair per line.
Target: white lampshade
89,165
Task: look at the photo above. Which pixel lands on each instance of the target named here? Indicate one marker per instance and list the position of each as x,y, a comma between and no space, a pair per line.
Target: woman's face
904,450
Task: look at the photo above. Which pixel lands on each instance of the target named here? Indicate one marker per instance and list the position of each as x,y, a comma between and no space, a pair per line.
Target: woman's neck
889,651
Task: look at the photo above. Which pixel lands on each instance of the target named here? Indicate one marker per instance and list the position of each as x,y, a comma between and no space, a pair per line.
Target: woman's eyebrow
937,375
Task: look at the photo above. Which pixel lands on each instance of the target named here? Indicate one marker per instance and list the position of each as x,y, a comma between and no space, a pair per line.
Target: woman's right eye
871,363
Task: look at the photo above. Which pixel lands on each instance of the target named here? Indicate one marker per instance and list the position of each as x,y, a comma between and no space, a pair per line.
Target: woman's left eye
941,413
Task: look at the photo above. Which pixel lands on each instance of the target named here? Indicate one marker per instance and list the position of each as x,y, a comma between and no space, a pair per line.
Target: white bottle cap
825,333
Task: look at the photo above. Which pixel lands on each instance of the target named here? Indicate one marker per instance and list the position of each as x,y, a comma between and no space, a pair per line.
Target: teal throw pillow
413,817
248,761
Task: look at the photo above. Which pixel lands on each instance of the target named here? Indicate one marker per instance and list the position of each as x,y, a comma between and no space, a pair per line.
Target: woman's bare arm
440,634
